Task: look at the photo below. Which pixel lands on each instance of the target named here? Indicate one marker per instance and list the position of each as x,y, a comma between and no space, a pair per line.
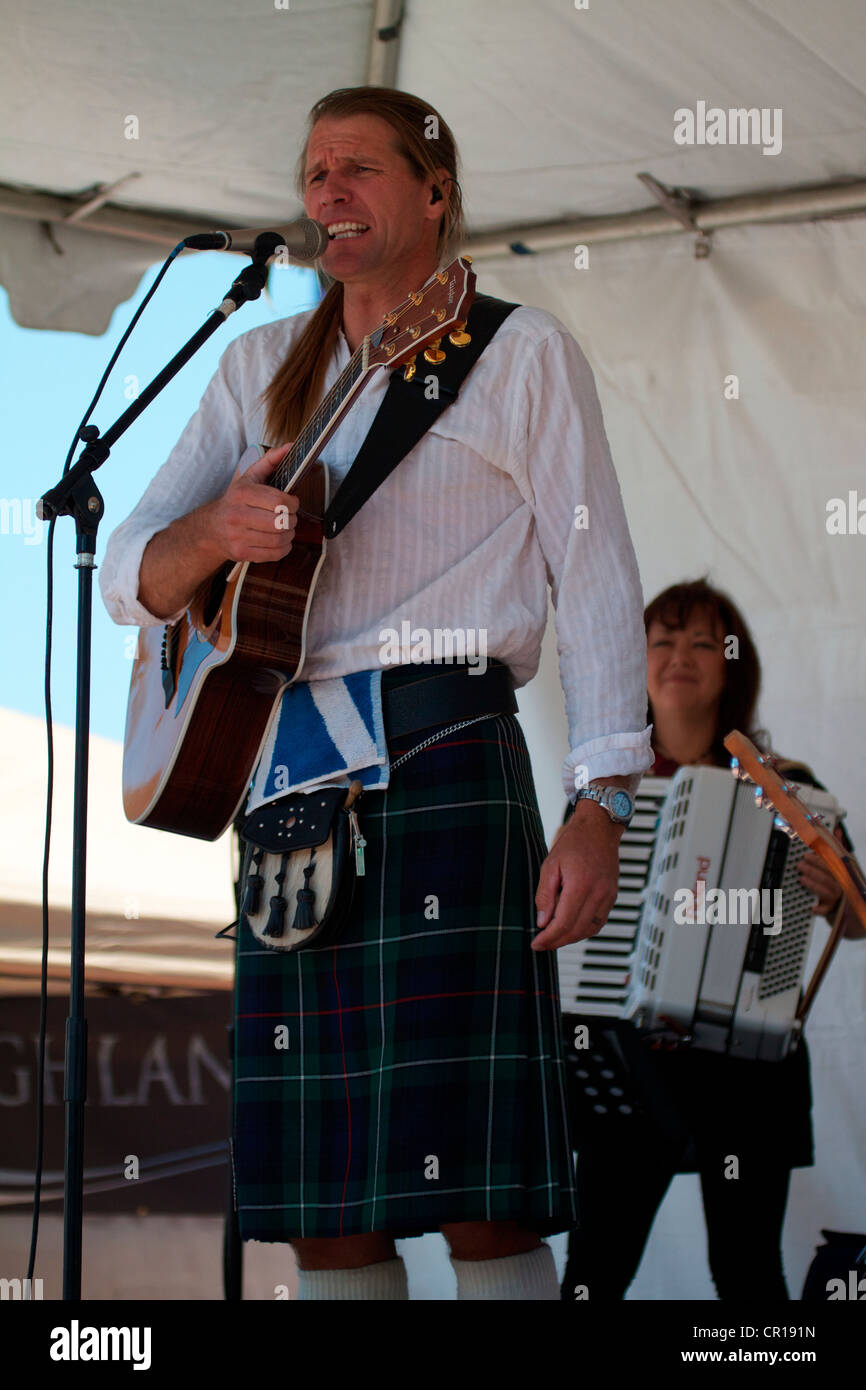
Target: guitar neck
322,424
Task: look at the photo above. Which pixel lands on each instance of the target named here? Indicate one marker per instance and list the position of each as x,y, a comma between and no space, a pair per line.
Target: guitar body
203,690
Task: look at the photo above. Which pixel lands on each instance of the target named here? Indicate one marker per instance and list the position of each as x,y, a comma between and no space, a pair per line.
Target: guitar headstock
774,792
424,317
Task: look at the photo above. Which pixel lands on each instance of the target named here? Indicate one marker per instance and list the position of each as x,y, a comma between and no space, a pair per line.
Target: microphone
305,240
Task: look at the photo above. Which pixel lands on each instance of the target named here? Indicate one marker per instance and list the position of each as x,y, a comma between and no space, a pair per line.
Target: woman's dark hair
674,607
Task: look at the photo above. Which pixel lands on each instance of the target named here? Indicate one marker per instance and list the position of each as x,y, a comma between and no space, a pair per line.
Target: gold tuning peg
467,259
410,368
433,354
458,337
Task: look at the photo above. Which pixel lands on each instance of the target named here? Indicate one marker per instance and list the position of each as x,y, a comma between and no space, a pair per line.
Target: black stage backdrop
158,1097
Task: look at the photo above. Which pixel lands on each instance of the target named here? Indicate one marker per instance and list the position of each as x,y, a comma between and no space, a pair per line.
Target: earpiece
437,196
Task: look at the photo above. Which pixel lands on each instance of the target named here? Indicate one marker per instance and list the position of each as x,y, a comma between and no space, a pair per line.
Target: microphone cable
49,800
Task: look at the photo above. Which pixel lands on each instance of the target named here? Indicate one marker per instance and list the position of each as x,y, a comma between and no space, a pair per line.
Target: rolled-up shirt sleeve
591,568
198,469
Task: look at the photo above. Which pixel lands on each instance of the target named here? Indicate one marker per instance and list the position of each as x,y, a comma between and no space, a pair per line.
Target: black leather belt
448,696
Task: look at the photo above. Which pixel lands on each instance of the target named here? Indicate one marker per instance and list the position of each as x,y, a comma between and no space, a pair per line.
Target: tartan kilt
424,1081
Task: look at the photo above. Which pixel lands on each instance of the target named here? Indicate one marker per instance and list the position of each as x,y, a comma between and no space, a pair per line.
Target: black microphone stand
77,495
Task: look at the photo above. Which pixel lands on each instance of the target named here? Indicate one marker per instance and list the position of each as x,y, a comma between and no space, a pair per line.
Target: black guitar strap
406,414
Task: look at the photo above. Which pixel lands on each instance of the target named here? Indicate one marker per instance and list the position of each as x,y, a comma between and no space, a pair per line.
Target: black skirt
708,1102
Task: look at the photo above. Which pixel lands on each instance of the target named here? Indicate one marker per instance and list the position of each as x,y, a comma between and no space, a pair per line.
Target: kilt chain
452,728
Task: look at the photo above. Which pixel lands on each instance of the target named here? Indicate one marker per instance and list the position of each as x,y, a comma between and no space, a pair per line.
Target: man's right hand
253,521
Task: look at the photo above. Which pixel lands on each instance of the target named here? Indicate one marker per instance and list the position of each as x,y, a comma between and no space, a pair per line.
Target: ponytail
297,387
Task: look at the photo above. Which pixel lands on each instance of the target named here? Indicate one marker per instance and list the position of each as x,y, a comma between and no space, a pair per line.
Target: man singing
422,1088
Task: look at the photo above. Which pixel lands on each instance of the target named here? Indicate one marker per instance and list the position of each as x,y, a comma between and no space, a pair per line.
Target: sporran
303,855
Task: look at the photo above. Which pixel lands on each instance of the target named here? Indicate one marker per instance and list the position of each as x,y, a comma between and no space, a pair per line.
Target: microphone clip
267,244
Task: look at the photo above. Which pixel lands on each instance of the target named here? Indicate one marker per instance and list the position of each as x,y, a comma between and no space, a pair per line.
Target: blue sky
47,381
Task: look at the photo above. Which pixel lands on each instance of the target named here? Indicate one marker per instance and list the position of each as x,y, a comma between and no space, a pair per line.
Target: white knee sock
385,1280
530,1276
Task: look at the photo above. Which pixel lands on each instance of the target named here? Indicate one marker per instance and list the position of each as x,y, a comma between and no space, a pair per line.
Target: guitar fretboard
317,425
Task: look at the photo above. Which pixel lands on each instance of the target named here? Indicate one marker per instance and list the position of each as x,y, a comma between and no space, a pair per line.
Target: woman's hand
817,878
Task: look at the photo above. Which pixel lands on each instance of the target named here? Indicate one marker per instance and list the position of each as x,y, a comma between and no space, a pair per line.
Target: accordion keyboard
594,974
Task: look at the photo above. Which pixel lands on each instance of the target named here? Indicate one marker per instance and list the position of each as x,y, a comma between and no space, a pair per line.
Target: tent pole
384,55
751,209
806,204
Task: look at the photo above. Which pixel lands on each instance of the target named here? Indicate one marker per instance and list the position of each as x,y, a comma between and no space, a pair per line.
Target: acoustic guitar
204,688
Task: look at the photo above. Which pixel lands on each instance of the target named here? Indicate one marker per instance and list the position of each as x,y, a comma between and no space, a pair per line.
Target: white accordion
708,939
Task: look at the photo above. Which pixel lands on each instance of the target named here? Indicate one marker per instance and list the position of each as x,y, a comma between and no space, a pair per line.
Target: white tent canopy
192,115
154,901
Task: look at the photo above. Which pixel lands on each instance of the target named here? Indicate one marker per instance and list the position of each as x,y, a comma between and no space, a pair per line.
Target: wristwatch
618,803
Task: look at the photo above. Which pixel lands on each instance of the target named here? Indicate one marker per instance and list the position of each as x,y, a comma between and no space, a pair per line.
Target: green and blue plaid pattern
423,1082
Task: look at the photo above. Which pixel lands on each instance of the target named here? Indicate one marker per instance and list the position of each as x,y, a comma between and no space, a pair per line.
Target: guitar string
336,395
338,391
315,424
319,420
322,416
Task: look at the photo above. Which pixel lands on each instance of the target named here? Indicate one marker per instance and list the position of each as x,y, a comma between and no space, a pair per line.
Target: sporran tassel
306,899
276,921
253,886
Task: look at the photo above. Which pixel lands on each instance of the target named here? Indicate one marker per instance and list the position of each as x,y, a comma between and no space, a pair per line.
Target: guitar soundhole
214,596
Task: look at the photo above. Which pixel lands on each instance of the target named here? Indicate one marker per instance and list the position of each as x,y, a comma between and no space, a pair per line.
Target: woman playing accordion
688,1109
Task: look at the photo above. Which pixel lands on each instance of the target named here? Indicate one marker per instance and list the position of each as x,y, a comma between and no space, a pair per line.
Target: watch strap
604,796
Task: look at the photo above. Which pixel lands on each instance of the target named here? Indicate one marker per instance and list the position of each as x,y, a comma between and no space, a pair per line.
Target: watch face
621,803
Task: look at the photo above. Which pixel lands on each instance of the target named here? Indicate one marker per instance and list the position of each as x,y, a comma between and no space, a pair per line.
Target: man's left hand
578,883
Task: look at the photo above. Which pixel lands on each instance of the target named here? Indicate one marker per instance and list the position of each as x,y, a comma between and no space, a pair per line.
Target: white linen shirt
467,531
